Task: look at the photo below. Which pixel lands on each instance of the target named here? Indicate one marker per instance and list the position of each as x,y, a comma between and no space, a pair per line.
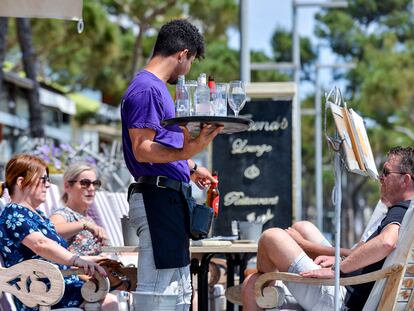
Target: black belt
160,182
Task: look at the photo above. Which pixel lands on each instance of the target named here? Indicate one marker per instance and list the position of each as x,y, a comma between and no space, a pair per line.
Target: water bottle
182,105
202,96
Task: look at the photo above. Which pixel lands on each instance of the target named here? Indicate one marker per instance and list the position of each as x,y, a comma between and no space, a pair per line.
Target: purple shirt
146,103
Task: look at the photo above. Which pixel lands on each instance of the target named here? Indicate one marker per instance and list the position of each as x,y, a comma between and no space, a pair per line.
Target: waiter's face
182,68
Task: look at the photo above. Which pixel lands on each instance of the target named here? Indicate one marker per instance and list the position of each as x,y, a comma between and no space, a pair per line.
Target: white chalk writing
238,198
241,146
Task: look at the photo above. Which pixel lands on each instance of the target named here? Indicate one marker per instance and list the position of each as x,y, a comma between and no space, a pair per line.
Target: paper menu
364,146
342,127
356,147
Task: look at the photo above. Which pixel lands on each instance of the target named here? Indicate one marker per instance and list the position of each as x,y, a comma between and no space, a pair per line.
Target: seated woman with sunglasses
26,232
83,235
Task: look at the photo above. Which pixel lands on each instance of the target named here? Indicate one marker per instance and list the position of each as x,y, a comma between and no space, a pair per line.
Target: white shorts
312,297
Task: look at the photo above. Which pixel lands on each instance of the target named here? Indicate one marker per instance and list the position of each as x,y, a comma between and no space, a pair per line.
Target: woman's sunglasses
44,179
86,183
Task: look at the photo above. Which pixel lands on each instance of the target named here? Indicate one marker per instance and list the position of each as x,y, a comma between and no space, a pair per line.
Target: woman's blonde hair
72,172
27,166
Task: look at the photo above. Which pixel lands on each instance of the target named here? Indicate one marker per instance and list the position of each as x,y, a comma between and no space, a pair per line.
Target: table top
200,249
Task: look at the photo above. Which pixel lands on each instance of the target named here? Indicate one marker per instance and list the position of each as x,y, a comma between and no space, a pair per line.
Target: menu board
255,167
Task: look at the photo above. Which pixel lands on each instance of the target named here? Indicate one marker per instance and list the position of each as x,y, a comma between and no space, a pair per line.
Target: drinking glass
237,96
191,87
220,100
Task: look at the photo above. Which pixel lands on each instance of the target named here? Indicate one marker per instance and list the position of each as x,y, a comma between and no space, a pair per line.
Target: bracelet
85,225
74,258
194,168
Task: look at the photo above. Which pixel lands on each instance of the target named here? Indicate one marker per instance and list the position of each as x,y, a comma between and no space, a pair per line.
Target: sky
266,15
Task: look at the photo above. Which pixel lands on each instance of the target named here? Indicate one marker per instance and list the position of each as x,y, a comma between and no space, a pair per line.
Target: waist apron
168,222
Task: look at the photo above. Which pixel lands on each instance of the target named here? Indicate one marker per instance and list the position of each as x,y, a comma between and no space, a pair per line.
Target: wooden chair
26,281
393,289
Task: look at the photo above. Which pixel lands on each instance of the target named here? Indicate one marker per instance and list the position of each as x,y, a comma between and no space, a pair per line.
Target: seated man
291,250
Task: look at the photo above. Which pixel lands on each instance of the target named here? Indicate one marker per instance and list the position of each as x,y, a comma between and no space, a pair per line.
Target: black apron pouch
201,217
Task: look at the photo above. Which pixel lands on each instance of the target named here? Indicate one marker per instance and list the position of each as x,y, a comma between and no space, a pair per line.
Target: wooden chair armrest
93,291
266,297
30,287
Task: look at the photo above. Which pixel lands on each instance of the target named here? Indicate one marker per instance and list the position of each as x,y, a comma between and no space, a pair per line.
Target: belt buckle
157,183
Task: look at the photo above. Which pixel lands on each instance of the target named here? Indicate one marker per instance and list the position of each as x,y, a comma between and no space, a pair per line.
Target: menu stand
335,144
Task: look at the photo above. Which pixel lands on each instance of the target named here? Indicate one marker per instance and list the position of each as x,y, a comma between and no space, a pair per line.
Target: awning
55,100
61,9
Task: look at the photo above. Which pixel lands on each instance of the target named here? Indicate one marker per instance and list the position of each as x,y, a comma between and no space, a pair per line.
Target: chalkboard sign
255,167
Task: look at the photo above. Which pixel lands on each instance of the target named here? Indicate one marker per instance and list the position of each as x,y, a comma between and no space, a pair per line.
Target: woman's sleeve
19,224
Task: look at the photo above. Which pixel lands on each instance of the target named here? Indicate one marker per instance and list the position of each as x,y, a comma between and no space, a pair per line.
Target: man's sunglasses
386,172
86,183
44,179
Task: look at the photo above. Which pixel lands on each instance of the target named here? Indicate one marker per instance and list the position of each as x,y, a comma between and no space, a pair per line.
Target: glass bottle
213,196
202,97
123,301
182,104
213,94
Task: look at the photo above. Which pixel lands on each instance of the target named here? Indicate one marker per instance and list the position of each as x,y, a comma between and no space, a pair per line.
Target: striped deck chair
52,200
51,203
111,207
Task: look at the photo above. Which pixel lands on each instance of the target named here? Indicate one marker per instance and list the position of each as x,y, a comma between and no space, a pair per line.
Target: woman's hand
96,230
96,258
88,266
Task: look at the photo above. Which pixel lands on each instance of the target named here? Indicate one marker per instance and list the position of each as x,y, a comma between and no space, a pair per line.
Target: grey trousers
151,279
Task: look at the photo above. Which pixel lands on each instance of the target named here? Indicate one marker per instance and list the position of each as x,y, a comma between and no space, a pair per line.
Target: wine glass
237,96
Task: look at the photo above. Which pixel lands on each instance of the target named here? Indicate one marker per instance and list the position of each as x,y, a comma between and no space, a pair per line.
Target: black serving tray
195,123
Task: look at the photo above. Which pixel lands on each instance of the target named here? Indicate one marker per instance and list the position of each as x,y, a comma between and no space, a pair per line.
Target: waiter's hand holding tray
194,124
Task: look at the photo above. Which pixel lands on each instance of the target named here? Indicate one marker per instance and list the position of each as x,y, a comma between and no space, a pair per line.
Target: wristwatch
192,170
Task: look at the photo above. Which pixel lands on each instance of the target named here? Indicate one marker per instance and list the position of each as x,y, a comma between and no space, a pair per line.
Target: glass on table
237,96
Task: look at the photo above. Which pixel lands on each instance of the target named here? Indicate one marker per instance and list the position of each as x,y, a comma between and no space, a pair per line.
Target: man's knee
303,226
271,236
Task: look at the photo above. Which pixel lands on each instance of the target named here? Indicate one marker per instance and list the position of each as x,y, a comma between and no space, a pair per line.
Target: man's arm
372,251
313,249
367,253
146,150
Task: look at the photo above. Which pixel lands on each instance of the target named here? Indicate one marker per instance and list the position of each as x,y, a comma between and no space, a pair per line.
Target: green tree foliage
118,39
282,50
212,16
378,37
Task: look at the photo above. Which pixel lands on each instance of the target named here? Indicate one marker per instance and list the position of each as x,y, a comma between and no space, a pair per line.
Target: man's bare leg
276,252
309,231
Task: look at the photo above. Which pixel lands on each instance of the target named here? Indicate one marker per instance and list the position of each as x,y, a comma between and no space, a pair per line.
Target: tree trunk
3,40
137,52
24,34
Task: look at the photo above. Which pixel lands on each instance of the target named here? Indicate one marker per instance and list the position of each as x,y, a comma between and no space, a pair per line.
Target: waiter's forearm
153,152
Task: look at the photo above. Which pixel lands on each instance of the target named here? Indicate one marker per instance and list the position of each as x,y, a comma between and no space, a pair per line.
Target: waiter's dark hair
178,35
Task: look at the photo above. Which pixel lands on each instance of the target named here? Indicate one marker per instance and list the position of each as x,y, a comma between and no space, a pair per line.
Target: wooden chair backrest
29,287
396,292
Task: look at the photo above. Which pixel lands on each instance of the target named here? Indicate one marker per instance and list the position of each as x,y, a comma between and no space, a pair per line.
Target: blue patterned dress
17,222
